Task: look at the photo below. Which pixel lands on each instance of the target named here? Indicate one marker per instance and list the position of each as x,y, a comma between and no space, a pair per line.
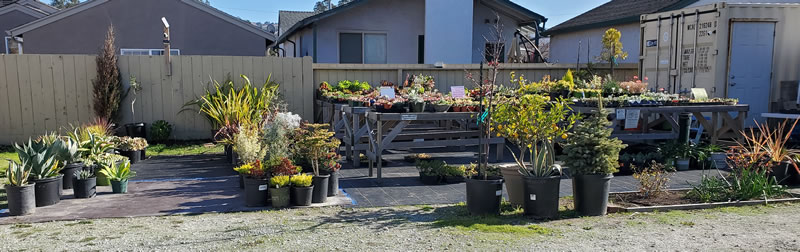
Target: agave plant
84,174
118,172
17,173
40,157
67,152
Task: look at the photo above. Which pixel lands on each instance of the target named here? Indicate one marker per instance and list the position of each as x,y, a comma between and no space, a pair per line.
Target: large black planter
133,156
85,188
21,200
541,196
784,173
301,196
136,130
241,181
69,174
591,193
333,184
320,184
256,192
279,196
48,191
483,196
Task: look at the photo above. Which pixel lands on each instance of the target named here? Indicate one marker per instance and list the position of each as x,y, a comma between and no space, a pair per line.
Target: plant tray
615,208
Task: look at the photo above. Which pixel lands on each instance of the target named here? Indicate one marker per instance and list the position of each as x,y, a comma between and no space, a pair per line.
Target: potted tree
119,174
85,184
40,159
316,141
592,157
533,123
256,184
770,144
484,190
279,191
332,166
137,129
20,193
302,189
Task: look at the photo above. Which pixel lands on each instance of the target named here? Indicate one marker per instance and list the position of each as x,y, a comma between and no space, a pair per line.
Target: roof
512,9
92,3
31,7
616,12
287,19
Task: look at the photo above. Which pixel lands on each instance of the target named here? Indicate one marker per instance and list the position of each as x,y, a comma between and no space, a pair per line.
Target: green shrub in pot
592,157
302,189
279,191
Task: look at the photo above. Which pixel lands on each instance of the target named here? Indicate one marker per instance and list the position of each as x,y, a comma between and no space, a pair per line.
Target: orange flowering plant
534,124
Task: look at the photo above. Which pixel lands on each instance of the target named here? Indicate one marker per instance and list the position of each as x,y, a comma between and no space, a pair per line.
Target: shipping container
744,51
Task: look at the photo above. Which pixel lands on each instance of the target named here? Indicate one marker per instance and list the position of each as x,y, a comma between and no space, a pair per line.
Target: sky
556,11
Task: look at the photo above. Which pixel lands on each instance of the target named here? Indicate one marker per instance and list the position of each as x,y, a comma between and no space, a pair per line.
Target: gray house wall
564,46
11,20
138,26
482,30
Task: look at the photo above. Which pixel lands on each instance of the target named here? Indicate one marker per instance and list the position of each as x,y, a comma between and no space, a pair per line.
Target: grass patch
491,224
671,217
6,152
184,149
22,226
83,222
88,239
687,223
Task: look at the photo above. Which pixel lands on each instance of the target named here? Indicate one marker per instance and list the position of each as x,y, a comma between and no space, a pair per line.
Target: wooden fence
43,93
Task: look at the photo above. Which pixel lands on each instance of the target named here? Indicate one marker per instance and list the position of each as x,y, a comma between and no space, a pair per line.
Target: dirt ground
419,228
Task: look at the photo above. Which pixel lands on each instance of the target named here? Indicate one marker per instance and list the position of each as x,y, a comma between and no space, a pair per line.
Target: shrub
455,171
253,170
284,166
314,142
653,180
279,181
301,180
107,88
431,167
746,184
129,144
590,149
247,144
160,131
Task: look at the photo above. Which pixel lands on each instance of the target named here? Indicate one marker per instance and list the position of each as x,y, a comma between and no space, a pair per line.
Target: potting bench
715,121
331,113
355,127
429,129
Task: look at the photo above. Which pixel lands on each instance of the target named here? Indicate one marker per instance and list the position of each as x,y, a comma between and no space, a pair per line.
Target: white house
402,32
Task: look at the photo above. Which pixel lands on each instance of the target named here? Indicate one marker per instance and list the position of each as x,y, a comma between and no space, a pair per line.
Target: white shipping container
739,51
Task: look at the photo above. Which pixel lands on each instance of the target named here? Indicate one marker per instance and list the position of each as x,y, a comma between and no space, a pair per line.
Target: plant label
408,117
458,92
387,92
533,197
498,193
620,114
263,187
632,119
699,94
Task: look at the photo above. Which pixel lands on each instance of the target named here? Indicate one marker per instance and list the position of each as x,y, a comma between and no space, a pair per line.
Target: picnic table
382,131
714,121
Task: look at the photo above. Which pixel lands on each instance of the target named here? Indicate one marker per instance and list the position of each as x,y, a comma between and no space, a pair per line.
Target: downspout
294,48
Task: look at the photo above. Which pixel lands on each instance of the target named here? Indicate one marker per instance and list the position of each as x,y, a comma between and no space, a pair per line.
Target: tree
107,88
343,2
612,47
63,4
324,5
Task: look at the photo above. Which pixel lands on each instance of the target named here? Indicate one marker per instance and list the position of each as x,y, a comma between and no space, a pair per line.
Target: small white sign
498,193
458,92
632,119
387,92
263,187
620,114
408,117
533,197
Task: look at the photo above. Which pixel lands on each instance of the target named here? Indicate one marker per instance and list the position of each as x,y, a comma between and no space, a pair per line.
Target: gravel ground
418,228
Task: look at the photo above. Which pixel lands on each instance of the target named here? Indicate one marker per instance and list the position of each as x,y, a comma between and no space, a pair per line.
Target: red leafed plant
285,167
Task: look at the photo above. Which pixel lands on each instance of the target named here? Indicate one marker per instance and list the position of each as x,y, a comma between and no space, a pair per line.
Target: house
403,32
578,40
18,12
195,29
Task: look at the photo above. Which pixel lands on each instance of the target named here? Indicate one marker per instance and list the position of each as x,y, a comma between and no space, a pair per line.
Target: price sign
458,92
387,92
632,119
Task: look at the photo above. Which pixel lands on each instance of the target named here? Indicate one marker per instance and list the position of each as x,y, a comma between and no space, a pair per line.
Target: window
490,49
362,48
12,46
126,51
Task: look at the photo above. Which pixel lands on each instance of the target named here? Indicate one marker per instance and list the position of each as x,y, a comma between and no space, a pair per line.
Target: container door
750,73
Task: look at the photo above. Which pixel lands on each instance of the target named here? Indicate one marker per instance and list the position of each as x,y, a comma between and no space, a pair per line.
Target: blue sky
267,10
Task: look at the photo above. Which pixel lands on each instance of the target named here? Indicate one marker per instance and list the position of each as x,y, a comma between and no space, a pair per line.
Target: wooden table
716,120
331,113
355,126
395,130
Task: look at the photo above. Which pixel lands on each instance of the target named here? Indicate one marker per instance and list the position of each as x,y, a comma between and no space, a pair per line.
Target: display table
716,121
331,113
415,130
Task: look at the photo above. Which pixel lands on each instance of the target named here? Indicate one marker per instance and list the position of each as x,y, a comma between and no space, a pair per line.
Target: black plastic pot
21,199
429,180
48,191
541,196
241,181
515,186
483,196
417,106
234,158
333,184
69,174
320,184
301,196
144,154
228,152
136,130
784,173
454,179
256,192
133,156
591,193
279,196
85,188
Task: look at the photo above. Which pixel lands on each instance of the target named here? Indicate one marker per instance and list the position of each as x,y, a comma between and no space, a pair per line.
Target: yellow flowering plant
534,123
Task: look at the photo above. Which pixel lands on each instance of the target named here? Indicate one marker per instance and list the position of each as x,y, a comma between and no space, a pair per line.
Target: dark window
421,49
490,51
350,48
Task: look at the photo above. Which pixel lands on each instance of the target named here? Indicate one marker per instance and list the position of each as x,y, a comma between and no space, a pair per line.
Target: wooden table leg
379,149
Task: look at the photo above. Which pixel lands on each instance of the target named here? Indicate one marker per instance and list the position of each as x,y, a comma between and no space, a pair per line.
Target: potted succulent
316,141
69,155
442,105
279,191
135,129
119,174
454,174
332,166
85,184
40,158
256,184
592,157
131,148
98,162
430,171
302,189
533,123
416,102
19,192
